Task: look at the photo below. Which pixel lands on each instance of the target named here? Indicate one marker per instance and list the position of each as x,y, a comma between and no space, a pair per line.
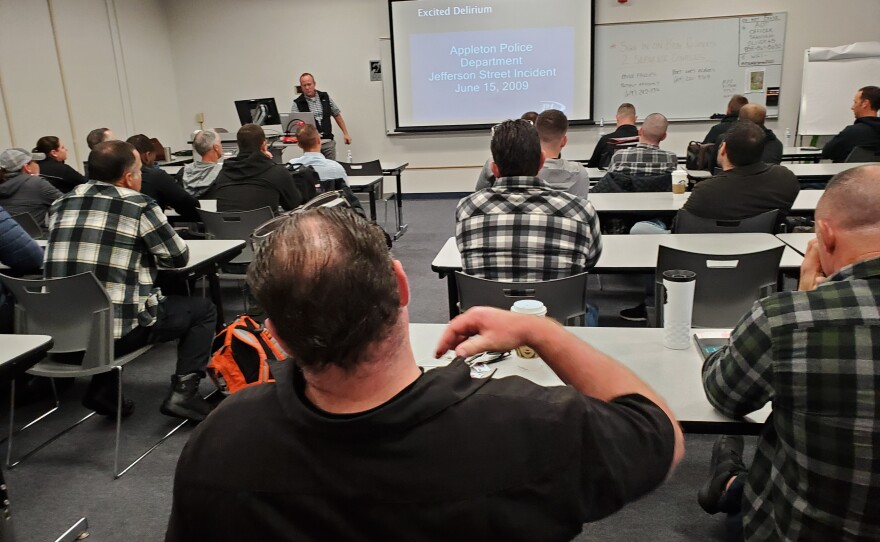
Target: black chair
29,224
727,285
564,298
687,222
863,154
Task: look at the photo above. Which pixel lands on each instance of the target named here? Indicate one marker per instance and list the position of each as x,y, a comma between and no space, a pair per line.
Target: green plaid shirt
816,356
119,235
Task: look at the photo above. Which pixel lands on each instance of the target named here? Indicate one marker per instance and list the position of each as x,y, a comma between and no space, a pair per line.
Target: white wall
68,66
150,65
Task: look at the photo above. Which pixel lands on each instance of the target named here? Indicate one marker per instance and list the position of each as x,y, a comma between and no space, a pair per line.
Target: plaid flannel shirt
643,159
523,230
119,235
816,356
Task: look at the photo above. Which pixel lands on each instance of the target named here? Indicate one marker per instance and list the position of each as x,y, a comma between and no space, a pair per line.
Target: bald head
851,200
653,130
626,114
753,112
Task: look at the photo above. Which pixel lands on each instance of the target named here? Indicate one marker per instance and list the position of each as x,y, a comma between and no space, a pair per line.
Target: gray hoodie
561,174
198,177
23,193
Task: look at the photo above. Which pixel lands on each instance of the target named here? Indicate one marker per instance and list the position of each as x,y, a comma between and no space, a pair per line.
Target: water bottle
678,306
349,156
601,126
788,137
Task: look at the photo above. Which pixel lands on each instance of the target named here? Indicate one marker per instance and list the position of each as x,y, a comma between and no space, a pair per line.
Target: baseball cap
16,158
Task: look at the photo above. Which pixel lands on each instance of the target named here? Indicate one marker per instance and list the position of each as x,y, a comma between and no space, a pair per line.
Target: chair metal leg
77,531
9,463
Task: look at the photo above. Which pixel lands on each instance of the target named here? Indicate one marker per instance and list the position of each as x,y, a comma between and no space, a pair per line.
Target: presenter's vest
323,122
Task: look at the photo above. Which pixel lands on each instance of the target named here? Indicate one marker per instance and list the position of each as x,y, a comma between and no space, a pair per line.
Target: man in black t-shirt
626,127
354,441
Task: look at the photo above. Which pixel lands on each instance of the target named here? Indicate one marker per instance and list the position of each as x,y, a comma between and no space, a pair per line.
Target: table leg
372,193
401,227
214,289
452,293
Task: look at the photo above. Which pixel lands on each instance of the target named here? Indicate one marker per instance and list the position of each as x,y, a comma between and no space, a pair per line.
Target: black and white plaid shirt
816,356
119,235
643,159
523,230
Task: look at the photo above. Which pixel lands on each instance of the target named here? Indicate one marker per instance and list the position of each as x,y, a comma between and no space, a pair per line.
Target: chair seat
55,369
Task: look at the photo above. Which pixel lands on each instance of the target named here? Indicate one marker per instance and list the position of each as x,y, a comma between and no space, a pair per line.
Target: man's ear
402,283
564,141
494,167
826,236
270,325
722,150
662,138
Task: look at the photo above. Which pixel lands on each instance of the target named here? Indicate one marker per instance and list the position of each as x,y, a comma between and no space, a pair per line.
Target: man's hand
347,139
811,269
498,330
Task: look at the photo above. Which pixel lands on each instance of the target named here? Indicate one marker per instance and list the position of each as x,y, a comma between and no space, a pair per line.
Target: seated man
354,441
522,229
251,179
22,190
486,179
161,186
198,177
626,127
107,227
99,135
53,168
815,355
772,153
309,140
864,132
559,173
747,187
646,157
732,115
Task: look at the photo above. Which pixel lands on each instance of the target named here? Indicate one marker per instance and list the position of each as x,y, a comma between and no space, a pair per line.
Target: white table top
800,151
14,347
665,202
674,374
200,251
824,169
797,241
356,182
633,253
171,170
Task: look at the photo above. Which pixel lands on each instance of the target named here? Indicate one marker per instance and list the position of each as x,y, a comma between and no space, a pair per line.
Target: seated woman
53,168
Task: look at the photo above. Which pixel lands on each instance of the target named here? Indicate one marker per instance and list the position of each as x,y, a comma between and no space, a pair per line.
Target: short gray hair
204,141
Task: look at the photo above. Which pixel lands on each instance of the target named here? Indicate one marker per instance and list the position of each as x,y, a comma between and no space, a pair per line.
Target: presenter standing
322,106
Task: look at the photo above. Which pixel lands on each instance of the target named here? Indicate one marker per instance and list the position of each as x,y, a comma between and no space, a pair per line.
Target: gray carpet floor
72,477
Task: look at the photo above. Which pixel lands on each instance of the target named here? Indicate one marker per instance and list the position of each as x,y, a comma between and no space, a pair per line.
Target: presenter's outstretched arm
342,127
591,372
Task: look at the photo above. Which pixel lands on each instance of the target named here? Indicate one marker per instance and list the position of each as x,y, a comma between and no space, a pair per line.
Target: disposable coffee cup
678,307
533,307
679,182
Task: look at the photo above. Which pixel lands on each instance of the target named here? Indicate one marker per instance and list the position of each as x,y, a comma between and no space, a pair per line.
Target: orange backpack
242,352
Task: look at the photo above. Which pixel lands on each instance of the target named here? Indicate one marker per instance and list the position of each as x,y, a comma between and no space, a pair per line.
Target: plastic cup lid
529,306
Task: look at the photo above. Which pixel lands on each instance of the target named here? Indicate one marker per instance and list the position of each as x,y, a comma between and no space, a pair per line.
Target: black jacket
62,176
864,132
744,192
627,130
164,189
720,128
772,153
615,182
251,181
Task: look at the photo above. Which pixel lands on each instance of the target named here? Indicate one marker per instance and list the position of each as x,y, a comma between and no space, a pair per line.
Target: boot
184,401
102,393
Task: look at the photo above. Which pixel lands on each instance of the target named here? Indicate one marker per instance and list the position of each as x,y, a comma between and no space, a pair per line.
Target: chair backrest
727,285
75,311
687,222
373,167
863,154
613,145
29,224
564,298
235,225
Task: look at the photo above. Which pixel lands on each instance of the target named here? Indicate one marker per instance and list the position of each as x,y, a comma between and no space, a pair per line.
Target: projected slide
458,66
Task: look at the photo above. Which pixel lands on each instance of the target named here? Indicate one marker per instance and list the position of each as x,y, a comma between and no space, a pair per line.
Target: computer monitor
291,121
260,111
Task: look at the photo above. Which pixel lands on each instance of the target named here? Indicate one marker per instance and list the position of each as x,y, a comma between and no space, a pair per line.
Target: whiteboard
829,86
687,69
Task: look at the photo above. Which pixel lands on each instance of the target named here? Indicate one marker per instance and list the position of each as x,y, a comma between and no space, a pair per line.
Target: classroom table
637,254
18,353
797,241
205,256
674,374
799,154
823,171
367,184
667,204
